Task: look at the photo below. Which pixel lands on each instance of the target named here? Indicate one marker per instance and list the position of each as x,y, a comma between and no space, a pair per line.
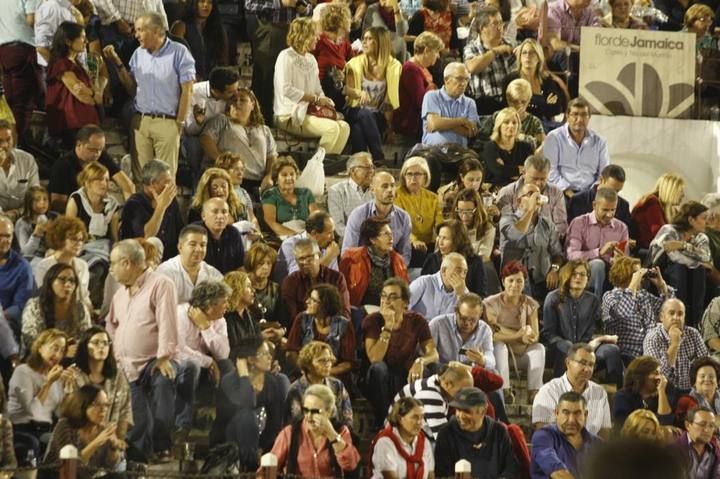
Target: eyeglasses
100,405
66,279
76,240
460,79
579,274
325,360
584,364
311,411
389,297
305,259
385,233
99,343
576,114
465,212
466,319
704,425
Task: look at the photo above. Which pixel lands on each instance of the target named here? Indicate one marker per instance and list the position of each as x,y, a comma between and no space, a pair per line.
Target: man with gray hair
202,343
434,294
142,323
712,231
296,287
346,195
448,115
161,77
154,211
536,172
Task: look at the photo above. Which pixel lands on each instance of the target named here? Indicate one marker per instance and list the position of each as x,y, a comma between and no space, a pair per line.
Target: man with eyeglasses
89,147
319,226
393,337
577,154
558,450
448,115
674,344
529,235
296,287
462,335
490,59
536,170
346,195
19,173
699,444
579,364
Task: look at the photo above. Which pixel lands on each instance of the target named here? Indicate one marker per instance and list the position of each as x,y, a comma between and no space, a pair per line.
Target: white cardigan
295,75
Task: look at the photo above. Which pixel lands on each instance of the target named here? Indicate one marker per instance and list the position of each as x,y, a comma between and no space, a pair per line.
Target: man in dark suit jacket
612,176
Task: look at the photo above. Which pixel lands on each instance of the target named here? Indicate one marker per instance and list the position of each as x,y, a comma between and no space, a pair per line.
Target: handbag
322,111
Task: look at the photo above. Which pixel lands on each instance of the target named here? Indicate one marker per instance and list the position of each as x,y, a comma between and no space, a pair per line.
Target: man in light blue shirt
577,154
435,294
464,331
383,186
17,59
448,115
320,227
163,72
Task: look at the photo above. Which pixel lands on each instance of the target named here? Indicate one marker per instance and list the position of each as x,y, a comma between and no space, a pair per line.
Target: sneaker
163,457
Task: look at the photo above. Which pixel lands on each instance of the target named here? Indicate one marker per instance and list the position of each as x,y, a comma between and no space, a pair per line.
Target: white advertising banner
638,72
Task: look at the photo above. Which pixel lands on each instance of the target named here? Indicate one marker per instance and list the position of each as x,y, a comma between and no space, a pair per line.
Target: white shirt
213,107
23,174
387,458
174,270
201,346
343,197
598,408
295,75
48,17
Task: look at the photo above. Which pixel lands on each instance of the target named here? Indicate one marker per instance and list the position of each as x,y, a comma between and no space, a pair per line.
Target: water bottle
31,460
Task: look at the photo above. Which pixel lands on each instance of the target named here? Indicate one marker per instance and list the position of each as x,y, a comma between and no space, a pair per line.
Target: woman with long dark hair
72,98
59,305
644,387
95,361
202,29
682,251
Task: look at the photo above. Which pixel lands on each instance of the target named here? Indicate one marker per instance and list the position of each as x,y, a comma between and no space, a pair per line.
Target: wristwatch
554,267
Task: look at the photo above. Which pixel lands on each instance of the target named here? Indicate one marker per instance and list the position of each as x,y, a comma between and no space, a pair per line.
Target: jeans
243,430
608,356
690,285
186,385
598,271
366,127
152,394
382,384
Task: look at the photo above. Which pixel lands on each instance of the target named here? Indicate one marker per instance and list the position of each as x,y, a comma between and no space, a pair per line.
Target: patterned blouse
33,322
118,393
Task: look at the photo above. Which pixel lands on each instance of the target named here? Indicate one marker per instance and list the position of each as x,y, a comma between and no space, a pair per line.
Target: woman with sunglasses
96,365
315,446
57,306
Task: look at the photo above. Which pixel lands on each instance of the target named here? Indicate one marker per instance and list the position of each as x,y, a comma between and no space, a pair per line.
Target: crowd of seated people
427,290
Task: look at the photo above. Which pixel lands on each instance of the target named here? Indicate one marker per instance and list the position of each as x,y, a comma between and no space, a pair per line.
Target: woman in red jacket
367,267
657,208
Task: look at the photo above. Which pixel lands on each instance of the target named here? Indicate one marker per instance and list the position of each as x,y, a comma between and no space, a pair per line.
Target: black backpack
223,459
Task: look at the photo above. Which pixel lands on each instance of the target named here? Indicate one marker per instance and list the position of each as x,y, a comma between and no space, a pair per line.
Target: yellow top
424,210
392,76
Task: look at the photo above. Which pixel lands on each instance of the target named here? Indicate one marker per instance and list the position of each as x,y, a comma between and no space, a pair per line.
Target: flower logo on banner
647,95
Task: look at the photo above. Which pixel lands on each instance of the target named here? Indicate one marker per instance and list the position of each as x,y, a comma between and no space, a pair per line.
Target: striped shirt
598,408
428,392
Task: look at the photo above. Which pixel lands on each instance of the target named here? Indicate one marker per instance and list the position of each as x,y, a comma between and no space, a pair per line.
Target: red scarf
415,464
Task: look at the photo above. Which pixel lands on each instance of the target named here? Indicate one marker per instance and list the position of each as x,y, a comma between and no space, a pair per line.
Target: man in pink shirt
598,236
142,323
203,343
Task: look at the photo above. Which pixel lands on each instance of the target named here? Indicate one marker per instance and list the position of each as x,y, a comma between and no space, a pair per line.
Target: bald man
225,247
674,345
383,189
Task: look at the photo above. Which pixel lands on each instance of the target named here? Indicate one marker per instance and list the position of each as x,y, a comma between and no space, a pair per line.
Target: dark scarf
378,261
388,17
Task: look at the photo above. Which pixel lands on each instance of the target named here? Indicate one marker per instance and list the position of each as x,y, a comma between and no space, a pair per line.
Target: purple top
561,21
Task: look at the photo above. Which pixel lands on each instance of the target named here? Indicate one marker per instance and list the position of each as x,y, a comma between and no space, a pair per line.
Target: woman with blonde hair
549,92
242,130
642,424
235,167
698,19
388,14
333,50
421,204
216,183
506,153
657,208
415,81
299,100
518,95
373,89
